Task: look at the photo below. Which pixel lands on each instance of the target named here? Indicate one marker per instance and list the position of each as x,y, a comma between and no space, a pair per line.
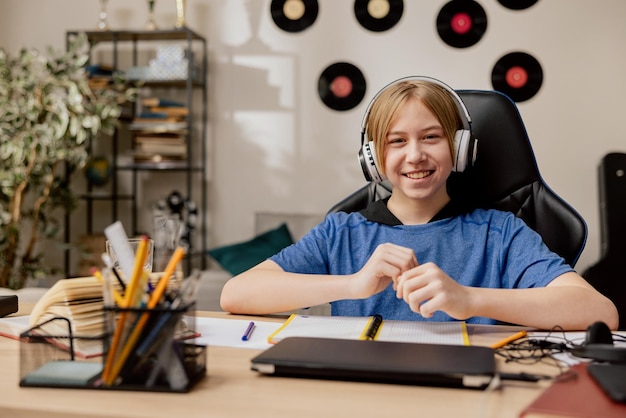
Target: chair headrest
505,160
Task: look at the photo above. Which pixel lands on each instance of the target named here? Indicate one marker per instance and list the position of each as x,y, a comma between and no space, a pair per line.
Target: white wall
276,147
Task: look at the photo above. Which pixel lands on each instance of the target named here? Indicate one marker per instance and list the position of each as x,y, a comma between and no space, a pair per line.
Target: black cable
538,350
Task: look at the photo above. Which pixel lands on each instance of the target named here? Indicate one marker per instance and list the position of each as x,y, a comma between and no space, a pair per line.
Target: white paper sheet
228,332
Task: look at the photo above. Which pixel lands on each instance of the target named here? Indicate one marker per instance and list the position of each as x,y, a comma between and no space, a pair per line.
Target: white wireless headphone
464,143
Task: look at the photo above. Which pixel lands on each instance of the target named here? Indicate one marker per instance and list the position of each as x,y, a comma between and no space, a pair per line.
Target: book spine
156,101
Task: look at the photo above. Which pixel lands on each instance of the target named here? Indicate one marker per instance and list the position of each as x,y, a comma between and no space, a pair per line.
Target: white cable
494,384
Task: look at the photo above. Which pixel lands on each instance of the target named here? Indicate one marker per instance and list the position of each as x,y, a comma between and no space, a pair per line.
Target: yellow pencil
142,251
119,299
508,340
135,280
154,299
178,255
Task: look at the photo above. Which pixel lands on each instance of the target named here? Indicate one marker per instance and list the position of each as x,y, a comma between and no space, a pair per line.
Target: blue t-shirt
484,248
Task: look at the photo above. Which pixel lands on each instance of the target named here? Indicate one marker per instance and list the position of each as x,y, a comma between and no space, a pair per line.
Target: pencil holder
50,355
151,351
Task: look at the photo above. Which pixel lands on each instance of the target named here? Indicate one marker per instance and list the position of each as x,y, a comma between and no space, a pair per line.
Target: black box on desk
8,305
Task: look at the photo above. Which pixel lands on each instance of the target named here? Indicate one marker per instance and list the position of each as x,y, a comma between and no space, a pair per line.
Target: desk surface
231,389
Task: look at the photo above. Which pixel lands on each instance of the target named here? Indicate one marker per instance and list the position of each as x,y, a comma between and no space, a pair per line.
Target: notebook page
451,333
345,327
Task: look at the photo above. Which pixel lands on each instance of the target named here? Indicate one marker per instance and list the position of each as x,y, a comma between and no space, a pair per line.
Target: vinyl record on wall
378,15
517,4
518,75
341,86
294,15
461,23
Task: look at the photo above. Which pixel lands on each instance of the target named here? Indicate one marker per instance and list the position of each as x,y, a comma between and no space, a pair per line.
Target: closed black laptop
379,361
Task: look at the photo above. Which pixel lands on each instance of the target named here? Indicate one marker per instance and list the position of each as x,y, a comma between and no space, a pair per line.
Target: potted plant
49,115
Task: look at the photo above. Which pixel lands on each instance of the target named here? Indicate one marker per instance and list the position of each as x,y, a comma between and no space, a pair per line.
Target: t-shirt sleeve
527,261
309,254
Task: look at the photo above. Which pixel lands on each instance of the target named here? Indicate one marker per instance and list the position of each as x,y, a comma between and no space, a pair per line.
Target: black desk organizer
8,305
162,360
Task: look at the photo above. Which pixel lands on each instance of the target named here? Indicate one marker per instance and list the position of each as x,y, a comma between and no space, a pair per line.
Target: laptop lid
379,361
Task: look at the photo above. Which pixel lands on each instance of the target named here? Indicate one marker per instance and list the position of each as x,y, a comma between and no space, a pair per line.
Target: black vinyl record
341,86
518,75
517,4
378,15
461,23
294,15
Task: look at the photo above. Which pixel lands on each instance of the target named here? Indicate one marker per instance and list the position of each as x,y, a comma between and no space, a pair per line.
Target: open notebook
371,328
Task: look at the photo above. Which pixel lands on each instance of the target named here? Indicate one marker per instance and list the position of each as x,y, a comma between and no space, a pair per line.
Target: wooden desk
230,389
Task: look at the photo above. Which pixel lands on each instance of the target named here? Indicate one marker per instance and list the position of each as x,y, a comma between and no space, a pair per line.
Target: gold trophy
102,16
151,25
180,13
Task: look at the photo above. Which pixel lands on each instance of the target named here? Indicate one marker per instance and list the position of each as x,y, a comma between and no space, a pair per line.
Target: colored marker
248,333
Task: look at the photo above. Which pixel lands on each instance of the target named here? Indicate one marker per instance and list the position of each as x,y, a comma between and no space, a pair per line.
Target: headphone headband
464,142
465,116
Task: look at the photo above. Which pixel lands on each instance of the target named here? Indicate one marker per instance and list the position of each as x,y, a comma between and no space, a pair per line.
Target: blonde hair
385,107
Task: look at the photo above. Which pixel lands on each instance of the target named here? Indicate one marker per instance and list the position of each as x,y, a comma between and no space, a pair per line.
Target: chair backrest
505,177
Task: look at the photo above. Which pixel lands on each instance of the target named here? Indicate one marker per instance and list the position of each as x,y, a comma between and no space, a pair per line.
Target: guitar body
608,275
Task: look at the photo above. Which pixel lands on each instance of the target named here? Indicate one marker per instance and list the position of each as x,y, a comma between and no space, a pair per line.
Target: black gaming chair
505,176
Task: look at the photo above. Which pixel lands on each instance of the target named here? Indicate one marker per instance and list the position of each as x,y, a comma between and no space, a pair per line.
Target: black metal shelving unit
193,167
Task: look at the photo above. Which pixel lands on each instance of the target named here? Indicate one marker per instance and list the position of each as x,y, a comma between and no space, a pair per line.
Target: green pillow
237,258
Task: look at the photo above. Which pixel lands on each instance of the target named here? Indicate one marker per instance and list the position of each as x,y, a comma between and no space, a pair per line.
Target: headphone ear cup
367,159
464,150
598,333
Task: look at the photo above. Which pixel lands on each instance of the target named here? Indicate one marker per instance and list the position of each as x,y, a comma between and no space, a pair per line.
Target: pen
108,261
248,333
152,303
508,340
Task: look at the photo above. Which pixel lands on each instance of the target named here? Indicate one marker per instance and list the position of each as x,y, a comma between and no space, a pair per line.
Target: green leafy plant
49,115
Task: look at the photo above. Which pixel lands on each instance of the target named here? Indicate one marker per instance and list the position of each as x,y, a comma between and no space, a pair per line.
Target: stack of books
160,131
100,75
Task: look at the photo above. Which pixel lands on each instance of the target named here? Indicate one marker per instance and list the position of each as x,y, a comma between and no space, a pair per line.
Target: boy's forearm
570,307
264,291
